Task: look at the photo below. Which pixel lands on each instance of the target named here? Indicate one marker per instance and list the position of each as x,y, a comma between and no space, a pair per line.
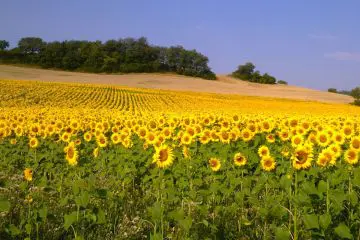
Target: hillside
224,84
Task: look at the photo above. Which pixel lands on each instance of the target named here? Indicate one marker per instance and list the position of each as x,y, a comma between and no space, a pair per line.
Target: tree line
126,55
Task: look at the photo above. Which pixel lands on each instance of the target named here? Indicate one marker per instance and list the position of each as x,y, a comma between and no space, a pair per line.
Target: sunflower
13,141
351,156
186,152
96,152
166,132
142,132
240,159
323,138
263,151
214,164
326,157
186,139
322,160
19,131
224,136
150,138
302,158
348,132
285,152
34,142
297,140
65,137
284,135
71,154
102,140
268,163
204,139
87,136
127,143
28,174
312,138
270,138
246,135
163,156
214,136
336,149
338,138
355,143
115,138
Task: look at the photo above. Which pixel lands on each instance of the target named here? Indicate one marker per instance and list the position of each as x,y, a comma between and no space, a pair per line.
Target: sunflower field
80,161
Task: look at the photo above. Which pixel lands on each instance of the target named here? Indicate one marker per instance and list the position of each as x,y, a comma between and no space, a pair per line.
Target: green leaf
156,236
4,205
43,213
155,212
69,219
322,186
325,221
281,234
14,231
186,223
311,221
101,218
205,222
343,231
28,228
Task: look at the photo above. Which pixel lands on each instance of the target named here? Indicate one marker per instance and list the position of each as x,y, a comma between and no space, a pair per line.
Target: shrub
332,90
282,82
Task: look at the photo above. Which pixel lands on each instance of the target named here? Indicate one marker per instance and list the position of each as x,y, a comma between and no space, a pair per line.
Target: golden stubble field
224,84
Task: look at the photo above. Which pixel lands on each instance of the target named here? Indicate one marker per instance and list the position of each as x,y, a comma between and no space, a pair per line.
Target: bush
332,90
357,102
282,82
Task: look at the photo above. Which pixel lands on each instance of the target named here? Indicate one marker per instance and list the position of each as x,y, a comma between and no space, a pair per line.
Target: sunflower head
351,156
163,156
28,174
263,151
302,158
214,164
268,163
239,159
33,142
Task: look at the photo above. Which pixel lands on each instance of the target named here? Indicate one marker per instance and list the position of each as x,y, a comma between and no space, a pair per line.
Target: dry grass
224,84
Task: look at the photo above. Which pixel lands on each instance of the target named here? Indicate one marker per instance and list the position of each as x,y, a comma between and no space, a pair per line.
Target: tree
245,71
332,90
268,79
355,93
31,45
4,44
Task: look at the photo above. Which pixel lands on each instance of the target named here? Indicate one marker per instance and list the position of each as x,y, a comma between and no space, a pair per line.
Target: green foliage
121,195
282,82
4,44
246,72
333,90
355,93
124,55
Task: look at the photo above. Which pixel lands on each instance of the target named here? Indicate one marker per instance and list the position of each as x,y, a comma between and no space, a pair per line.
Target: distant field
224,84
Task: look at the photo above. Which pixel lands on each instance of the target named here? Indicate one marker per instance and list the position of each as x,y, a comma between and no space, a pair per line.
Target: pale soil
224,84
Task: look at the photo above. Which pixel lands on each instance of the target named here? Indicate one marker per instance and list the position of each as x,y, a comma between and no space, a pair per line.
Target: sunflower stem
327,196
295,210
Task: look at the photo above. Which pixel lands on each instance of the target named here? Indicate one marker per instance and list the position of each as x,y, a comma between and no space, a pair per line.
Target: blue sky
307,43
